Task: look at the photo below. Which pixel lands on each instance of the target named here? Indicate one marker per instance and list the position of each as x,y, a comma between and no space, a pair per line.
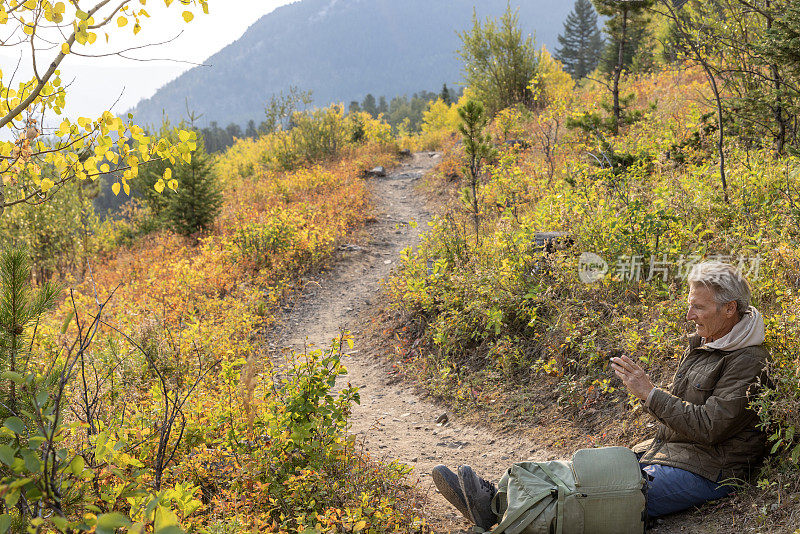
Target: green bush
57,234
322,134
499,63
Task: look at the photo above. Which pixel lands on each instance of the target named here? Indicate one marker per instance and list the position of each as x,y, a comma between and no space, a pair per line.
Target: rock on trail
394,422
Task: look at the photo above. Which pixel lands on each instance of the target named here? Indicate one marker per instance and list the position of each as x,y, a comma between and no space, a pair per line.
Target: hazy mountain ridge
341,50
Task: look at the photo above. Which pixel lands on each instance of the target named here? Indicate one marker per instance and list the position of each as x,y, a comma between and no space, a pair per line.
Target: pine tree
445,95
638,53
197,202
478,148
20,307
370,105
581,42
383,106
626,25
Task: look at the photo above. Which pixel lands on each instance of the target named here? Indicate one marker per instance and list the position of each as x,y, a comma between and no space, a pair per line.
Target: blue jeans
672,490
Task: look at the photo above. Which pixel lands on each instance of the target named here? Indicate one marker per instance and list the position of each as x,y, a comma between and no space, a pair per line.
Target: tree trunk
12,366
778,110
474,170
698,54
780,116
618,70
84,230
721,137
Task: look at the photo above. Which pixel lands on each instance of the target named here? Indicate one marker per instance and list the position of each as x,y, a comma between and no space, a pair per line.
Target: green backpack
601,491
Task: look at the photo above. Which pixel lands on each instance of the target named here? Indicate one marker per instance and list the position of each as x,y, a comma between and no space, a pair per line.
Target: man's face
713,320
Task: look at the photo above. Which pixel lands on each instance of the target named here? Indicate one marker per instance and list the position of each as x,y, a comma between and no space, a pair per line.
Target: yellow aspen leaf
3,17
92,37
122,21
30,4
127,188
59,7
184,135
105,168
47,184
27,29
188,16
167,174
173,184
358,527
115,188
159,186
137,28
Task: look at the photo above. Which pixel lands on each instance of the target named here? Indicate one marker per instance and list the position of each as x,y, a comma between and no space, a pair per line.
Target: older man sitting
706,433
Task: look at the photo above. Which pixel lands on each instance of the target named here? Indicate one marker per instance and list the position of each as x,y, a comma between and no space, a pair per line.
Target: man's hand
633,376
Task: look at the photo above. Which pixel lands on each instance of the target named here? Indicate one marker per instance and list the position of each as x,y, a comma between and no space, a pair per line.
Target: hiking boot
447,483
478,494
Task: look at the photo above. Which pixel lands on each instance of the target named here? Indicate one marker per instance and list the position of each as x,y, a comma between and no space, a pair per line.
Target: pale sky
98,82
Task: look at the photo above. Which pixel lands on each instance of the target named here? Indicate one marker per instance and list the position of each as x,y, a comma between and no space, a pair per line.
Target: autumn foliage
497,320
179,418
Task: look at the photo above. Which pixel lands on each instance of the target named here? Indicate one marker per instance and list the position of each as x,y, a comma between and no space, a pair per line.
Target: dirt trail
394,421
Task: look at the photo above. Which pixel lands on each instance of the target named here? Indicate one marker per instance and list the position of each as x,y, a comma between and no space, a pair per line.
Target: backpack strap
563,491
534,500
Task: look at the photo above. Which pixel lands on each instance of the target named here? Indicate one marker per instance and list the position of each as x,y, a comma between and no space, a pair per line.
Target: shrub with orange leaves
191,422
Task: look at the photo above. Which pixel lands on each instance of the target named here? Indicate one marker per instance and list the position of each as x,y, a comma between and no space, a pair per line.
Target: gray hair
725,281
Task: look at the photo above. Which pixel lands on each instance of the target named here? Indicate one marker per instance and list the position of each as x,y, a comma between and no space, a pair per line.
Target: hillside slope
341,50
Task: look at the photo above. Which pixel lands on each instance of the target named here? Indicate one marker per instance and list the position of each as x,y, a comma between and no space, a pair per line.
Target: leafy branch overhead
39,159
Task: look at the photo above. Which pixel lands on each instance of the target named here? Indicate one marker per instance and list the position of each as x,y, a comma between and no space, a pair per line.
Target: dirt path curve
394,421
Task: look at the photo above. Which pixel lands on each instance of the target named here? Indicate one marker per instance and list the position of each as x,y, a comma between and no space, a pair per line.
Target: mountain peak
340,50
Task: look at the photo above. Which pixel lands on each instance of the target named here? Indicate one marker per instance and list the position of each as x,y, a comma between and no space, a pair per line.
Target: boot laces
487,486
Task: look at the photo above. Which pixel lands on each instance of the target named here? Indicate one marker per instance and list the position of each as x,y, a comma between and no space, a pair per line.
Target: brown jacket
705,425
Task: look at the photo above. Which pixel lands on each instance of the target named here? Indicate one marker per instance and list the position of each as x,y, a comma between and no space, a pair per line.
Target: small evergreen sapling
20,307
194,206
477,145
